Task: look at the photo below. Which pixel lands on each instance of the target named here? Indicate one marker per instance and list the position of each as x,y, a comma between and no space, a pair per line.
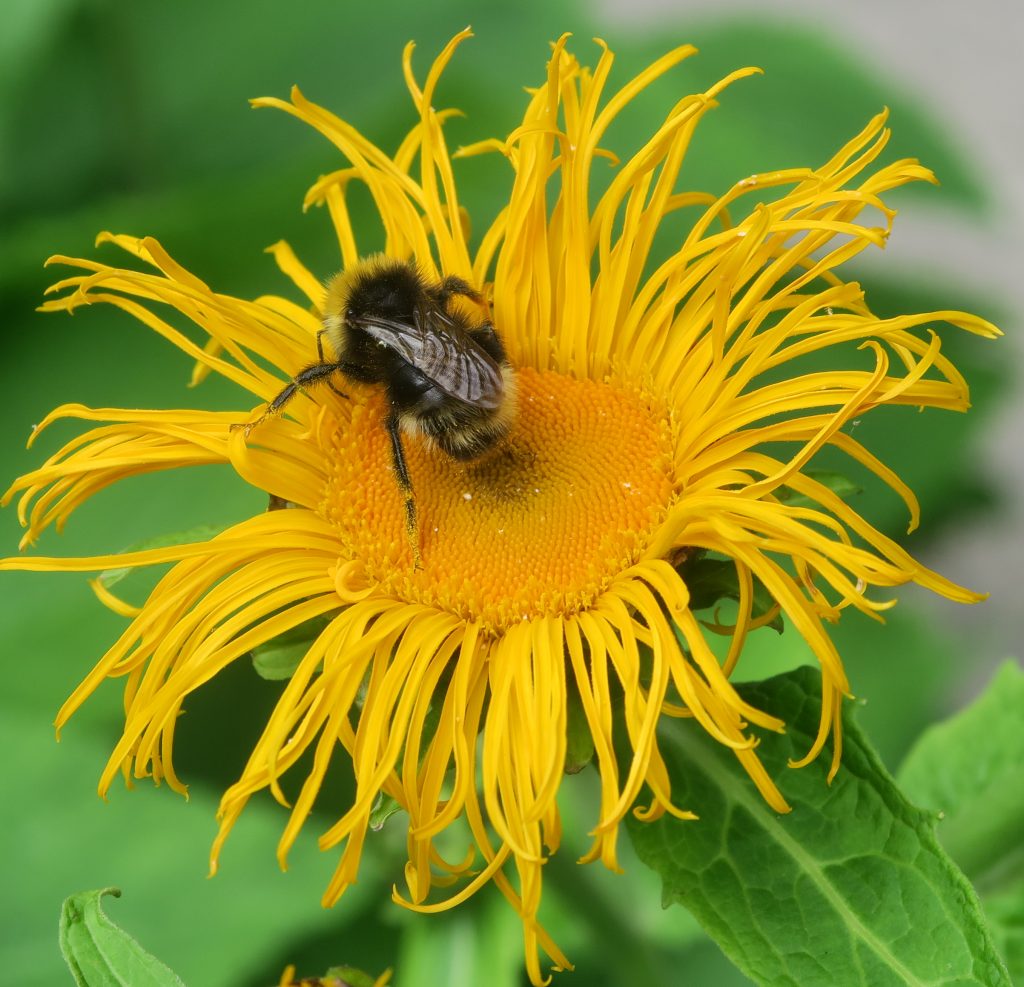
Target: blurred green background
133,118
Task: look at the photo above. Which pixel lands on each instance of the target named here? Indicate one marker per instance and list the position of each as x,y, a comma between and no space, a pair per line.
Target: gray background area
962,60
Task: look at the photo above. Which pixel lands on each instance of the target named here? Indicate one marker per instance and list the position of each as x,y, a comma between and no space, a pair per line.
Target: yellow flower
653,397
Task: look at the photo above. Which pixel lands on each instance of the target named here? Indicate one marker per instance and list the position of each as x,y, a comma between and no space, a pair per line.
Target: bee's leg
311,375
487,339
453,285
405,485
320,354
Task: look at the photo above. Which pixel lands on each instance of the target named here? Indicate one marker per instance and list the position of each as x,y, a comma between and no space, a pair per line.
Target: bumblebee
446,378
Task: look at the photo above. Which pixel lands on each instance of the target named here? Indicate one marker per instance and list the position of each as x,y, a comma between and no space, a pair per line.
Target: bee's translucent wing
443,352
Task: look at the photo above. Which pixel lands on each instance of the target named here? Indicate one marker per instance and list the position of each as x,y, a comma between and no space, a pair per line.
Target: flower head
654,396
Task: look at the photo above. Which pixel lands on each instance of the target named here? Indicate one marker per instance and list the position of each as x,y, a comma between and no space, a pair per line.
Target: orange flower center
539,526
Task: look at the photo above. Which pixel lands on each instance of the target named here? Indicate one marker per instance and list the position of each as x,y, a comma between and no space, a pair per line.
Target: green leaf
99,953
851,888
971,769
1005,911
710,580
203,532
277,659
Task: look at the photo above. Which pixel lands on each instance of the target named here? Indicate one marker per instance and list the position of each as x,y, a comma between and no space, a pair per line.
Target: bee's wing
443,352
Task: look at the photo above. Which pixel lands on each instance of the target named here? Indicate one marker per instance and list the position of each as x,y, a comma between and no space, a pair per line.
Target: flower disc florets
539,527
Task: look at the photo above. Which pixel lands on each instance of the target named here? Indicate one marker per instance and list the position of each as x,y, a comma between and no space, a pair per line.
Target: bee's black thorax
383,288
389,288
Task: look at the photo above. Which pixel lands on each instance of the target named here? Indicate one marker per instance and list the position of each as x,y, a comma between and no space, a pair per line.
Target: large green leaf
851,888
971,769
1005,910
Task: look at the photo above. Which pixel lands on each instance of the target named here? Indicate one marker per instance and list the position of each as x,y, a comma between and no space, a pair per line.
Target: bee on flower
637,406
